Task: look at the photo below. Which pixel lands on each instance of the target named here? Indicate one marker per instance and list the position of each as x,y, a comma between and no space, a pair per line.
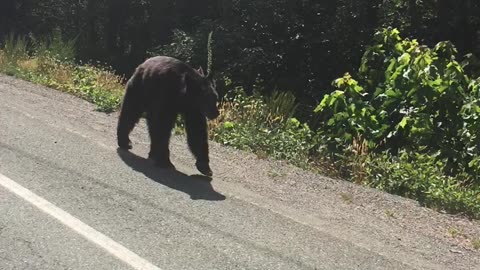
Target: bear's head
208,96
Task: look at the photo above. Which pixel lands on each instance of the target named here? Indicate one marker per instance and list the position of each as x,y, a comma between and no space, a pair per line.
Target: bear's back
160,66
163,80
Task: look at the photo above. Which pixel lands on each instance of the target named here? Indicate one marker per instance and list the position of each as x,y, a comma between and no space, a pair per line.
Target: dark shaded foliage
298,46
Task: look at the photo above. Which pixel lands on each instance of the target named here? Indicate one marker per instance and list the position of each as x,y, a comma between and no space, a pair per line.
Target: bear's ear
200,71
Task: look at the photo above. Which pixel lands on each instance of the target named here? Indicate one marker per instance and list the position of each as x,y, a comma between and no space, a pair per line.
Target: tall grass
15,48
52,63
281,105
56,47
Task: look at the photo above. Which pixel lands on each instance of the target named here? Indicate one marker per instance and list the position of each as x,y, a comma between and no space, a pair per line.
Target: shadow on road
197,186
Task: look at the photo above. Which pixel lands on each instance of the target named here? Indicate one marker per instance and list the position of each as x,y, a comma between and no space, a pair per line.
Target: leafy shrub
421,177
266,128
409,97
106,93
409,125
349,116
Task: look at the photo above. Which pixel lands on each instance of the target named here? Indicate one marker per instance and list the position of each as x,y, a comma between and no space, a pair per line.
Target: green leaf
322,104
358,89
412,92
228,125
339,82
390,68
404,59
393,93
404,122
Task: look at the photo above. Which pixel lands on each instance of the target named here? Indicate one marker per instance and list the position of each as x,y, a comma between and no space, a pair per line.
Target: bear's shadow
197,186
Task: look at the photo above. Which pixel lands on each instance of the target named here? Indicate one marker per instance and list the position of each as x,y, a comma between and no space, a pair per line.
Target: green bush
409,97
88,86
264,127
408,125
421,177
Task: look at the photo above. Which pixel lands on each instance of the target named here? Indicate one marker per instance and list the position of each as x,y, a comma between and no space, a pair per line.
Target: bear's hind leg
160,125
197,137
129,115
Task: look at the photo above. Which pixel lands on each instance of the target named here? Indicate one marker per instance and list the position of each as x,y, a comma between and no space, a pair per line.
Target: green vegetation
263,126
51,63
409,124
300,46
406,124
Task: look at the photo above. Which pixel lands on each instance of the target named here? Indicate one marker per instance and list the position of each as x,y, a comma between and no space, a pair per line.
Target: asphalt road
70,200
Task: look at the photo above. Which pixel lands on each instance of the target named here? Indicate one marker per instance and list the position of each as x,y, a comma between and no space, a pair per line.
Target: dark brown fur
164,87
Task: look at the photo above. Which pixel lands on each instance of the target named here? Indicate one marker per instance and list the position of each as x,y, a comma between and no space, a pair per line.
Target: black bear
164,87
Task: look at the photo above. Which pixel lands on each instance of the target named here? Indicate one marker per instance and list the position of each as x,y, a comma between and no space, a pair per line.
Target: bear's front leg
197,137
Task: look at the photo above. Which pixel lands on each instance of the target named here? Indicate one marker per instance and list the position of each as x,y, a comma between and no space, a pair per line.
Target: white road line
78,226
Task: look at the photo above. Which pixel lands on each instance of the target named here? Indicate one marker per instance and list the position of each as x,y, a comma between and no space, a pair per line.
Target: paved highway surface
70,200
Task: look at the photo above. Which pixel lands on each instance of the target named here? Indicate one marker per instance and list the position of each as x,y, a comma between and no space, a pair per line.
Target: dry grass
62,76
359,157
30,64
476,243
225,108
226,114
390,213
97,85
2,58
347,198
455,232
110,82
